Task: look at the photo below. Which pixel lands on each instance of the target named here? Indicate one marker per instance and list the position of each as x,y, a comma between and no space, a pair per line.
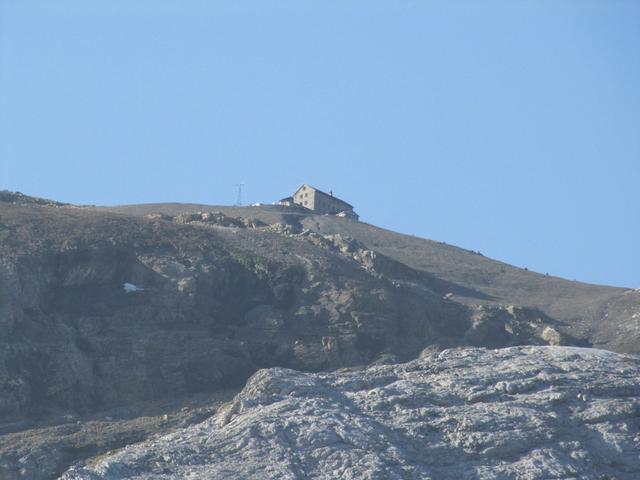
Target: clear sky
509,127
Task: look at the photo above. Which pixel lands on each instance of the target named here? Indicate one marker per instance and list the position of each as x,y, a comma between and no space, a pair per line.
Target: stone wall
320,202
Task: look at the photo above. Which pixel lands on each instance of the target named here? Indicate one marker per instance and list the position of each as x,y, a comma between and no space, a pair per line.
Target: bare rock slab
514,413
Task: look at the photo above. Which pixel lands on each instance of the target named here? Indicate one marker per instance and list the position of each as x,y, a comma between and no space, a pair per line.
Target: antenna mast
239,201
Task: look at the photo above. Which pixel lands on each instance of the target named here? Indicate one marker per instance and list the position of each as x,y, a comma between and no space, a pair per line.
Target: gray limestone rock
514,413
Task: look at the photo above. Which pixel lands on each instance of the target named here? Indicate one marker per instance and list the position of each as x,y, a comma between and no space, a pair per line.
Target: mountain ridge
104,309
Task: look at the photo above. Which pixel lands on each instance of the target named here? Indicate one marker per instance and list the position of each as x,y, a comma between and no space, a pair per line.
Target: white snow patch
131,288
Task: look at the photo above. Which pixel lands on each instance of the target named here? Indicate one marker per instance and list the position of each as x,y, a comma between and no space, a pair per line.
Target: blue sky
509,127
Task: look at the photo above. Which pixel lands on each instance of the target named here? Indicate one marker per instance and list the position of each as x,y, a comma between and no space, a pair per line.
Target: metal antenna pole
239,185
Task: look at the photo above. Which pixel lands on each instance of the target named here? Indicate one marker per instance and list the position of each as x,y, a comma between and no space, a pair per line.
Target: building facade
287,201
321,202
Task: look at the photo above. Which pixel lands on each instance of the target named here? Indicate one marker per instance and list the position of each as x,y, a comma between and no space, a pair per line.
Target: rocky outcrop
18,198
208,218
521,413
211,218
493,326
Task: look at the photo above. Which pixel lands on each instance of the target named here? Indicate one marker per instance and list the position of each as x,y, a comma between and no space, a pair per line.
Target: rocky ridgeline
209,218
518,413
18,198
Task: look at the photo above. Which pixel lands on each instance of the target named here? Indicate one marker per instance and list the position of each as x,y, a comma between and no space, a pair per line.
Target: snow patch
131,288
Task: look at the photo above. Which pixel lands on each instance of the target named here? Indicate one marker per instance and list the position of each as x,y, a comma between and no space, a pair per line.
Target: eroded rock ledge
519,412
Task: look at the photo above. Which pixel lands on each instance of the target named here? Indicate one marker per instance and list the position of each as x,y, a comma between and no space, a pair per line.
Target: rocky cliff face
101,309
520,412
204,315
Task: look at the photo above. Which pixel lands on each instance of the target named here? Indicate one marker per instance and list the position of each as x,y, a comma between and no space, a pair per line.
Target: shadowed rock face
520,412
